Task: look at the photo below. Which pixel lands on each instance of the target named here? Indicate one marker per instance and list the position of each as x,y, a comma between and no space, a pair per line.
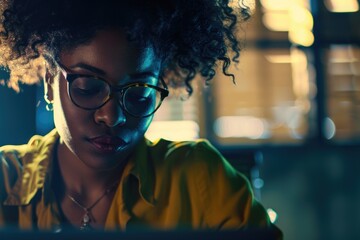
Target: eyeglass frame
70,78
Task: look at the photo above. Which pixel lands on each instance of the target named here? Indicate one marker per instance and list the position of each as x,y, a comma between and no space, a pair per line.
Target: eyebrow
89,68
101,72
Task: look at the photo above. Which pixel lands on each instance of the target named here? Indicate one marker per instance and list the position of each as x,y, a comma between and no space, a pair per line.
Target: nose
111,114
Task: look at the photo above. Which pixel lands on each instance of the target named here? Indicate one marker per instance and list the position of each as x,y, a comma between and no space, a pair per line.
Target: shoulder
220,194
18,154
10,167
181,149
17,159
195,159
184,152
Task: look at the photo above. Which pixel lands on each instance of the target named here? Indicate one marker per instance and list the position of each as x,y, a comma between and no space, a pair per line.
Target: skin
84,171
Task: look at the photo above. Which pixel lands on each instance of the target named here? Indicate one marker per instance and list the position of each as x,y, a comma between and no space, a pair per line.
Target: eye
140,96
87,86
86,91
136,96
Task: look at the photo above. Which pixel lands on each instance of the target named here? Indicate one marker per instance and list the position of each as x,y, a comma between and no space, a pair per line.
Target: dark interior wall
315,190
17,114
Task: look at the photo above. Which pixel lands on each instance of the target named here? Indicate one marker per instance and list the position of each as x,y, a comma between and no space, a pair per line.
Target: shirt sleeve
8,175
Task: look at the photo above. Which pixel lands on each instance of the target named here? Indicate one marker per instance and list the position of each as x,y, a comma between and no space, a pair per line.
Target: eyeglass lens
137,100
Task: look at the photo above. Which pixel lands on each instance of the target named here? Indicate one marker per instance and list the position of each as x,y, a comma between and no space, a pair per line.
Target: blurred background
291,123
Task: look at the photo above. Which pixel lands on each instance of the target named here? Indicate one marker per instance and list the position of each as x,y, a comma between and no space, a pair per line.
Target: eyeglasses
137,99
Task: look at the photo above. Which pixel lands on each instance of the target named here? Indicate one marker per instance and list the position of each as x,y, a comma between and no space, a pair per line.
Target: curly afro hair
191,37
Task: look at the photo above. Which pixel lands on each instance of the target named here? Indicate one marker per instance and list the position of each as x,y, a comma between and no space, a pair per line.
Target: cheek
146,122
140,126
67,118
60,113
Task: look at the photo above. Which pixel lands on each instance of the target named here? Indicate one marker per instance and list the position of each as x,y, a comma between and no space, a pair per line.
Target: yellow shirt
165,185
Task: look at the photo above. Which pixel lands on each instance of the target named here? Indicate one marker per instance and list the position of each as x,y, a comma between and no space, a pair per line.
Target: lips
108,144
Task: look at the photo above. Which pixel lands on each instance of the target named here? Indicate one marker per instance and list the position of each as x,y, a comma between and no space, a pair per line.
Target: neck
78,178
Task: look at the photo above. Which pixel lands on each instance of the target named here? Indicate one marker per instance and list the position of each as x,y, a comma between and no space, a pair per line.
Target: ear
48,87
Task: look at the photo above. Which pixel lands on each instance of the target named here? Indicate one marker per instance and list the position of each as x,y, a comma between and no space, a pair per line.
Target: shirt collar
37,170
144,170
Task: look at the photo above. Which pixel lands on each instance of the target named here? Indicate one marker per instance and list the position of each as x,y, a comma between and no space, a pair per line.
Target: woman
106,66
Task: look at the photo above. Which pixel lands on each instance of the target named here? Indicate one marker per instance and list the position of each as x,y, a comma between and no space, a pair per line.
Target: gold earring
49,106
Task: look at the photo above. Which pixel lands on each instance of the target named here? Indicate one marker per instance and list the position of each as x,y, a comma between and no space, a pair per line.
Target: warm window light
279,58
342,54
301,17
277,21
301,37
275,5
342,5
240,126
344,60
302,22
299,64
292,15
300,76
276,15
173,130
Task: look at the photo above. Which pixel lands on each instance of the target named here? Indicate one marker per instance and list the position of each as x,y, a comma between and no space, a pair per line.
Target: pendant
85,223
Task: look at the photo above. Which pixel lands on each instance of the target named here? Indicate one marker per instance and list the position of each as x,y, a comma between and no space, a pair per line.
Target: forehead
112,52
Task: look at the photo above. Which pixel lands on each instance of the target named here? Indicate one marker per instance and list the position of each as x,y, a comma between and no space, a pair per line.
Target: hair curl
191,37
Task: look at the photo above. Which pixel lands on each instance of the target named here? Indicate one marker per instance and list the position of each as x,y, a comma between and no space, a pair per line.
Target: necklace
86,219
